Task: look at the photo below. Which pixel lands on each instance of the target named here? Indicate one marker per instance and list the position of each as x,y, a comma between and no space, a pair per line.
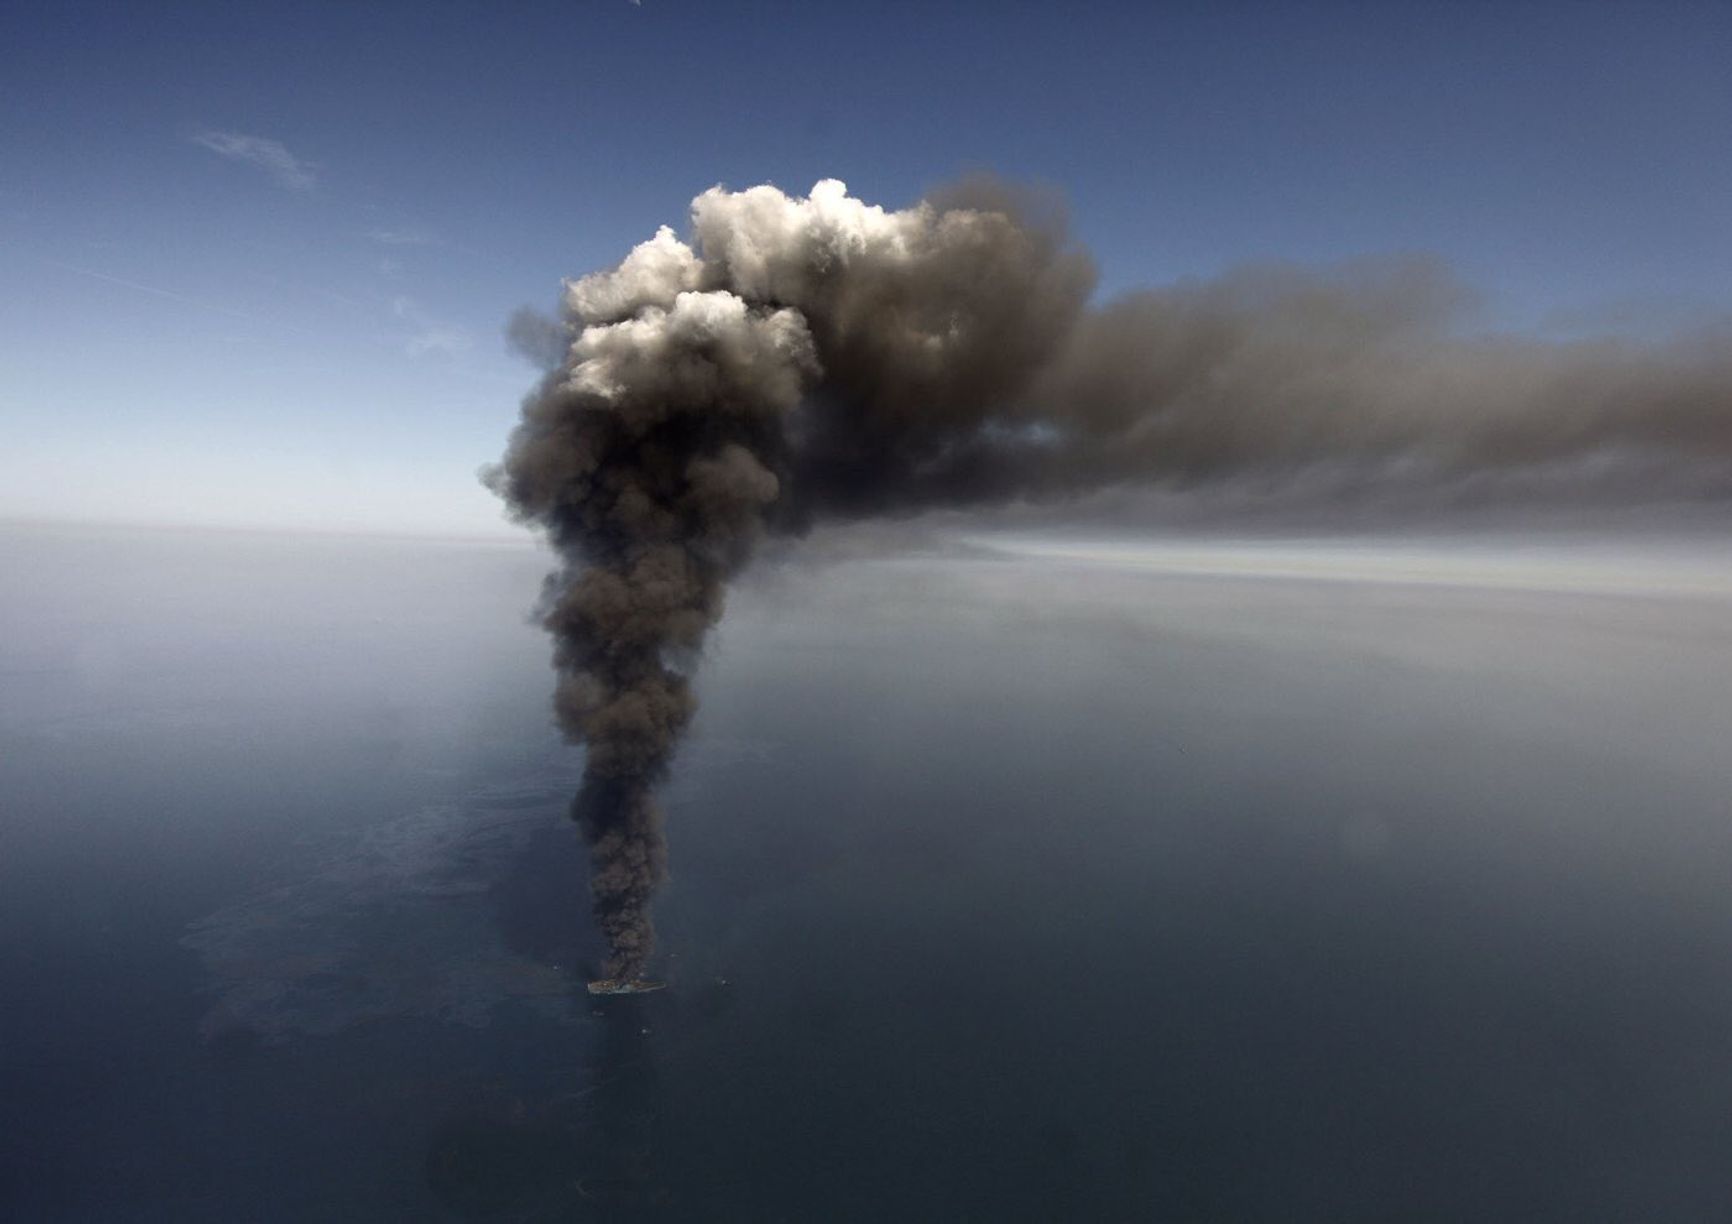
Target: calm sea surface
1187,881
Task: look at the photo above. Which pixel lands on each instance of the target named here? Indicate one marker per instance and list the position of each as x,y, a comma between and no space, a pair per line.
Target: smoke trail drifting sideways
817,357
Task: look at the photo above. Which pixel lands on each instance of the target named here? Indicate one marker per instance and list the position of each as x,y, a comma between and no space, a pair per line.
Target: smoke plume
802,358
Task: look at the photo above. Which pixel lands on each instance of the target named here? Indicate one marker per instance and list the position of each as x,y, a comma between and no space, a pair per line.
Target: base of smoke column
620,986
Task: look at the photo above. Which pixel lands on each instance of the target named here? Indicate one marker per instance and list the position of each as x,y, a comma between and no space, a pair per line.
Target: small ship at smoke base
624,986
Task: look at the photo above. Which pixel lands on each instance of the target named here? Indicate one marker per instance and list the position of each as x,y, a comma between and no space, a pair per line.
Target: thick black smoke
815,357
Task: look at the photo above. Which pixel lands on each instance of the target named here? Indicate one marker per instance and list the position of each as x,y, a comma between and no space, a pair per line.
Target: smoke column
816,357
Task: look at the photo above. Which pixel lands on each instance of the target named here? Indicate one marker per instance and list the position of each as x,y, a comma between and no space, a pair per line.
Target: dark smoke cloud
537,339
804,359
1367,365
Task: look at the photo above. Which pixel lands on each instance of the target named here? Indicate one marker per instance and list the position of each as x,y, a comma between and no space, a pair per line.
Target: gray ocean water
1019,880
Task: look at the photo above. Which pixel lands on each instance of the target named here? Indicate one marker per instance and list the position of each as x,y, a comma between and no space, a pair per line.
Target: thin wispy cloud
430,335
407,236
268,155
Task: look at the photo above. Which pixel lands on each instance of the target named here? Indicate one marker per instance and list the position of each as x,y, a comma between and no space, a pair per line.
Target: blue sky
255,260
